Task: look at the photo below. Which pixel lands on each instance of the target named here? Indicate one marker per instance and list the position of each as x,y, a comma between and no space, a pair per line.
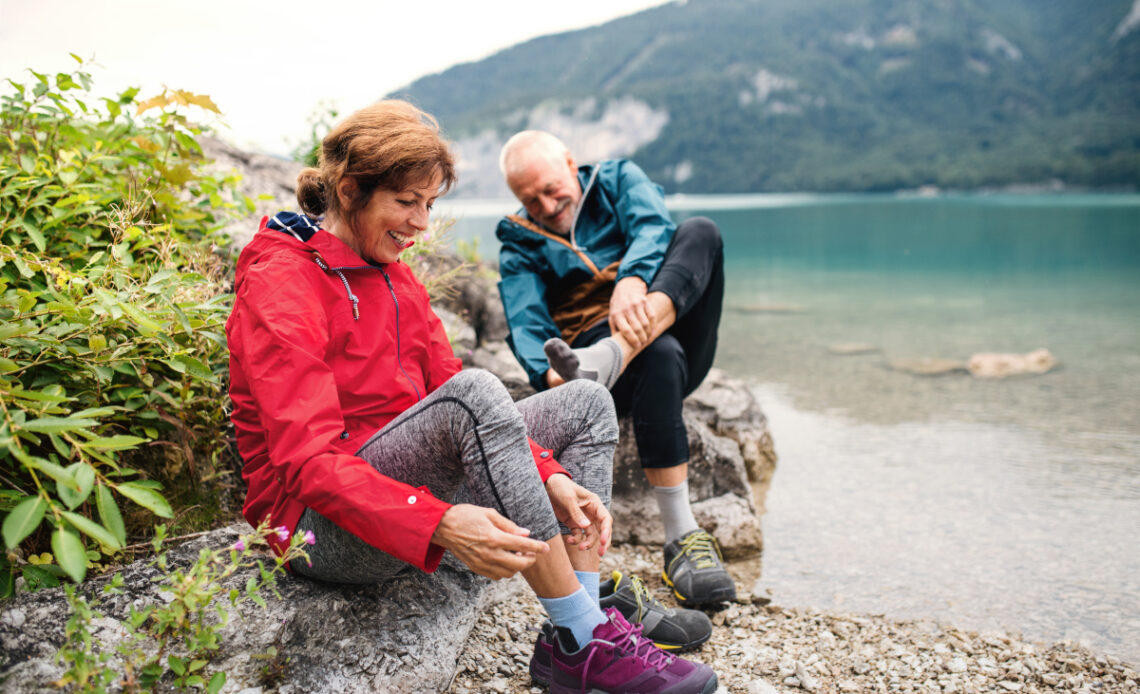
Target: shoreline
763,648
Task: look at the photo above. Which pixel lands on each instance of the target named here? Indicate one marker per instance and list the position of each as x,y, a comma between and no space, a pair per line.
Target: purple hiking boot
620,659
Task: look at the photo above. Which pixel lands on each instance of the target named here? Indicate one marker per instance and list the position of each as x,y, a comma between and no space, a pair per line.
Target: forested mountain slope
780,95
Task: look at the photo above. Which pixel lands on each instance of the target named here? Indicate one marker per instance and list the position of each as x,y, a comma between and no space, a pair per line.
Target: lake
1010,504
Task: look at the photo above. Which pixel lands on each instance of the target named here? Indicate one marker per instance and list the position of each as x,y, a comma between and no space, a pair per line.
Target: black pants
653,387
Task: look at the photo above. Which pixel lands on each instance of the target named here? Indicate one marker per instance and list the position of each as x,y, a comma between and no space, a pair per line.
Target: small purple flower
310,538
239,545
427,236
282,533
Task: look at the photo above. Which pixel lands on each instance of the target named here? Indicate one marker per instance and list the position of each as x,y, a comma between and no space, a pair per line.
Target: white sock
600,362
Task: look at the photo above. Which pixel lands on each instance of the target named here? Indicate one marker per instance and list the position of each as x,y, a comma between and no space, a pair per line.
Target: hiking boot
620,659
540,661
694,569
672,629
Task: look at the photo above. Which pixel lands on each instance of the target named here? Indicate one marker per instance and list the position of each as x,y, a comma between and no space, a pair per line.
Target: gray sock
676,512
600,362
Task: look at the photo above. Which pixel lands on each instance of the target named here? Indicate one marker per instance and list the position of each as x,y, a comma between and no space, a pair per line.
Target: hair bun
311,192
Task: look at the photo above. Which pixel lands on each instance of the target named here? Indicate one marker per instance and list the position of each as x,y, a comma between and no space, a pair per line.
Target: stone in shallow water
845,349
928,366
995,365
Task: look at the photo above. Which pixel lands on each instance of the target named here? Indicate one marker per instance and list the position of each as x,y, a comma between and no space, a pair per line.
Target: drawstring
344,280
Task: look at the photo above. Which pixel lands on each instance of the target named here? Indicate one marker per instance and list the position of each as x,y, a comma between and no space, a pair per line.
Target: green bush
113,276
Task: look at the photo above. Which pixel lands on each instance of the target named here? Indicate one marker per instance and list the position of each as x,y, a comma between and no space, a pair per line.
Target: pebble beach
760,647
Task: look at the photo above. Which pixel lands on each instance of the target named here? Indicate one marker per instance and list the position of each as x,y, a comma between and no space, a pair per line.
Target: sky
269,65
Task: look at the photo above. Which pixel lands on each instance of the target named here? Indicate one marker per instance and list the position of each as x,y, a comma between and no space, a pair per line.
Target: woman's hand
488,543
582,511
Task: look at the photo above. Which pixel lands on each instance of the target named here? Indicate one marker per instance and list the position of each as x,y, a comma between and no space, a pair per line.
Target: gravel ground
763,648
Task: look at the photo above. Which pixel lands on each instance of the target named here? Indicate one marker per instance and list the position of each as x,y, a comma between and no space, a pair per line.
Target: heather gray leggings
467,442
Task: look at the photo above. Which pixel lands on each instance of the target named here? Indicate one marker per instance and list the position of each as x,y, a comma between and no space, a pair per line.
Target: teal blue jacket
622,216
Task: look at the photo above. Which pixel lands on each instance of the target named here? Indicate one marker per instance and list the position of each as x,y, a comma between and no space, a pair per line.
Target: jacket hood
288,233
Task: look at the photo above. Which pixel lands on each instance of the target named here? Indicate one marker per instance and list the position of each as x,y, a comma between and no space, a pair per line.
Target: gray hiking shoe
694,569
671,629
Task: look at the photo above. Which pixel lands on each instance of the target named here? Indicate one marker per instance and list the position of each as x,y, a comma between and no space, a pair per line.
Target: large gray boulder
731,461
405,635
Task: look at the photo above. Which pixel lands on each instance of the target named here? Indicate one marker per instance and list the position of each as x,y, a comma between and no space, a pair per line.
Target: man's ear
346,191
571,163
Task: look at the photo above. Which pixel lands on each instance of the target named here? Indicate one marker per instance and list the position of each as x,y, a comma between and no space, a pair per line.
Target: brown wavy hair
390,145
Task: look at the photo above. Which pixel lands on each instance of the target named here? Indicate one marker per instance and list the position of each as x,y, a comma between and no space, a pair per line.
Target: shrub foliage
113,275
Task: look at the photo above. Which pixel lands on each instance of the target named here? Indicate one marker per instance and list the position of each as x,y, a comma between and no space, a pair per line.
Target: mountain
720,96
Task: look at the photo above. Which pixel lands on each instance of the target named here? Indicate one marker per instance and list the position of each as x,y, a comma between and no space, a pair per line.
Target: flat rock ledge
403,636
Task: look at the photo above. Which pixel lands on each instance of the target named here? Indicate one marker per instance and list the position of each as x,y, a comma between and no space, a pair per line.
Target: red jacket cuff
544,460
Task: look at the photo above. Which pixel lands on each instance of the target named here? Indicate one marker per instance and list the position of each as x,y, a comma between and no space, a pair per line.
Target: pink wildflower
239,545
310,538
282,533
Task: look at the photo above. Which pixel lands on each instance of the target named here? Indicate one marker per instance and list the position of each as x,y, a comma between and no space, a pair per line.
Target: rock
405,635
271,182
729,442
846,349
461,335
807,681
928,366
761,687
993,365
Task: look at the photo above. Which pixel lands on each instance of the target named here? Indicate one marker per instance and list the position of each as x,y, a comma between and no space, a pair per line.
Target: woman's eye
406,203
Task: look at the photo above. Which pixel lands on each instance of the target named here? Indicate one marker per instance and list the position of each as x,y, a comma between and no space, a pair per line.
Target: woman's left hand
582,511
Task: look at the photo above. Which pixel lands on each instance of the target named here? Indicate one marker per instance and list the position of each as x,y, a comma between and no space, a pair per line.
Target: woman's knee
597,405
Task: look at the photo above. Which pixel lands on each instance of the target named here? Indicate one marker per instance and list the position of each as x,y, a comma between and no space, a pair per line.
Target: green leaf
39,576
38,396
57,473
49,425
216,683
92,530
23,520
148,499
37,238
84,476
146,326
70,554
114,442
27,163
177,665
109,513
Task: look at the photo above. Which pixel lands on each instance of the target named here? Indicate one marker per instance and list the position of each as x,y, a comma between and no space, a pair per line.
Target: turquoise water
1010,504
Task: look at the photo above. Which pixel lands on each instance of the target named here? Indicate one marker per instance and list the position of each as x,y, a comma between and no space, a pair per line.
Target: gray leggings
467,443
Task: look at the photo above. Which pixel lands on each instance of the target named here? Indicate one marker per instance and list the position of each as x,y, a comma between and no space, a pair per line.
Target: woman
355,422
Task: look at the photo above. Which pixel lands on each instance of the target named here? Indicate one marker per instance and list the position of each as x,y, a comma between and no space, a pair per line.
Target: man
598,283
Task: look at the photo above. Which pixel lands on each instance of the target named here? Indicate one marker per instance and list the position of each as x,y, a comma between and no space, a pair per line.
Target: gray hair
527,145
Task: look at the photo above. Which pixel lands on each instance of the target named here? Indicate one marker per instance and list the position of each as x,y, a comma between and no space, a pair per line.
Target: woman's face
392,221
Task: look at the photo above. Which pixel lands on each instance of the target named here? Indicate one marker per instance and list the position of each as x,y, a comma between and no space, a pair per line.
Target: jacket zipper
356,313
399,356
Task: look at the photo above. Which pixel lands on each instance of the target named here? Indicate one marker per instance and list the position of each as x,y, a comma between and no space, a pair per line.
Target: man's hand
488,543
582,511
631,314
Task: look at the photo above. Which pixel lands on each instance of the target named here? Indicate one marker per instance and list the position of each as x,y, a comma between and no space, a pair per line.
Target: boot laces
644,599
631,643
701,548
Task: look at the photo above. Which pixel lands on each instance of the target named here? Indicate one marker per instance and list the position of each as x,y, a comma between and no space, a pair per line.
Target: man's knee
701,232
664,357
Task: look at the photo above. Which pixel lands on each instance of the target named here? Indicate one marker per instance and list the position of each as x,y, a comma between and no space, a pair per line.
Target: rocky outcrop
402,636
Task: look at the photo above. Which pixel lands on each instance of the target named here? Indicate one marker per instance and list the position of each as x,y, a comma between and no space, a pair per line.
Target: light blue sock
590,581
576,612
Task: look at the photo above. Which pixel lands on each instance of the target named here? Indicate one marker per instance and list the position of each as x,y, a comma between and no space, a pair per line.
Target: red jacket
325,349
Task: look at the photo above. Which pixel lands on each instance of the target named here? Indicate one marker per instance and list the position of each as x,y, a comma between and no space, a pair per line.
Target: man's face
548,189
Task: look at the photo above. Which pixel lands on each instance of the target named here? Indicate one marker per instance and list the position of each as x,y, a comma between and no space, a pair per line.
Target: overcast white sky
268,64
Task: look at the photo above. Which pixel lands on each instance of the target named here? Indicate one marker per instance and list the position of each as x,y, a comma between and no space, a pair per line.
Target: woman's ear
346,192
